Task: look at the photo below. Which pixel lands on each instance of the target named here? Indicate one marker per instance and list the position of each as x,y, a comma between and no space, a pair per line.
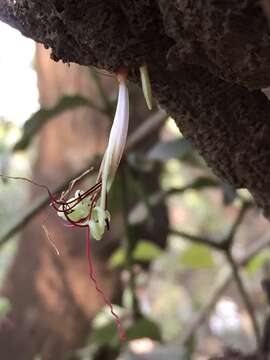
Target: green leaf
172,149
144,328
117,259
146,251
106,335
104,331
5,306
257,262
36,122
197,257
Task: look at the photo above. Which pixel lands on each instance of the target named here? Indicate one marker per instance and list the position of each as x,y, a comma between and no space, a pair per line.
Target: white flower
89,208
98,222
117,140
115,149
75,210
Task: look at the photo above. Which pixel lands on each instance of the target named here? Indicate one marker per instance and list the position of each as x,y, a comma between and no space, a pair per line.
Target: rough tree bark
208,61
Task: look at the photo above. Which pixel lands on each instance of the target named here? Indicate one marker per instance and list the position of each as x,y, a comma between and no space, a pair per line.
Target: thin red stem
94,192
121,331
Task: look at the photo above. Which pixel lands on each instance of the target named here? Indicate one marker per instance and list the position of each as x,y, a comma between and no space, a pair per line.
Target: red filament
121,331
66,207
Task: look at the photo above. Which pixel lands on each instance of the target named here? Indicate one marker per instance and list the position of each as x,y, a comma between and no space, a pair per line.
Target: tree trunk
52,299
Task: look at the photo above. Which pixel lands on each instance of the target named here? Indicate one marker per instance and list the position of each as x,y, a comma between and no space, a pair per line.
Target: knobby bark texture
208,61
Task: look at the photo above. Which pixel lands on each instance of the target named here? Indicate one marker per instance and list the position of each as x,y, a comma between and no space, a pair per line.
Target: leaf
257,262
36,122
197,257
172,149
117,259
146,251
106,335
144,328
104,331
5,306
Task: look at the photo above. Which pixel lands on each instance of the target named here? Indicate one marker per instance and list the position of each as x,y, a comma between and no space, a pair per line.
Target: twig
206,311
228,241
196,239
265,343
245,296
258,246
198,184
159,197
153,123
225,246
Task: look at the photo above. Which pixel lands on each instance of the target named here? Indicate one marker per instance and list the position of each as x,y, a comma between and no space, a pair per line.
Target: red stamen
67,204
121,331
94,192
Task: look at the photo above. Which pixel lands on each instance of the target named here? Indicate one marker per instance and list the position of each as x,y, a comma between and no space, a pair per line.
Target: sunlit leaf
144,328
36,122
147,251
105,335
104,331
197,257
256,264
117,259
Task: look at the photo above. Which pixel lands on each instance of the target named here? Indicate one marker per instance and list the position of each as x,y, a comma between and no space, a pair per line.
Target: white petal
117,141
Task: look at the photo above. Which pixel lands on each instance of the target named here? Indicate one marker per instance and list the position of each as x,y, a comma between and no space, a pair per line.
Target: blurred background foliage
191,296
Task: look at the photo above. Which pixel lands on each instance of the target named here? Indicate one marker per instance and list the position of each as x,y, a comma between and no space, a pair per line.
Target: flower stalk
90,208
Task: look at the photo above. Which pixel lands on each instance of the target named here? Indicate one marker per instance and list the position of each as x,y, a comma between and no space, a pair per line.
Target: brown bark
204,56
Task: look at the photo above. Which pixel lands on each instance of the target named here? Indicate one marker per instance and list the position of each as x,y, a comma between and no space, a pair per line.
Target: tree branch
228,241
197,239
206,311
245,296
